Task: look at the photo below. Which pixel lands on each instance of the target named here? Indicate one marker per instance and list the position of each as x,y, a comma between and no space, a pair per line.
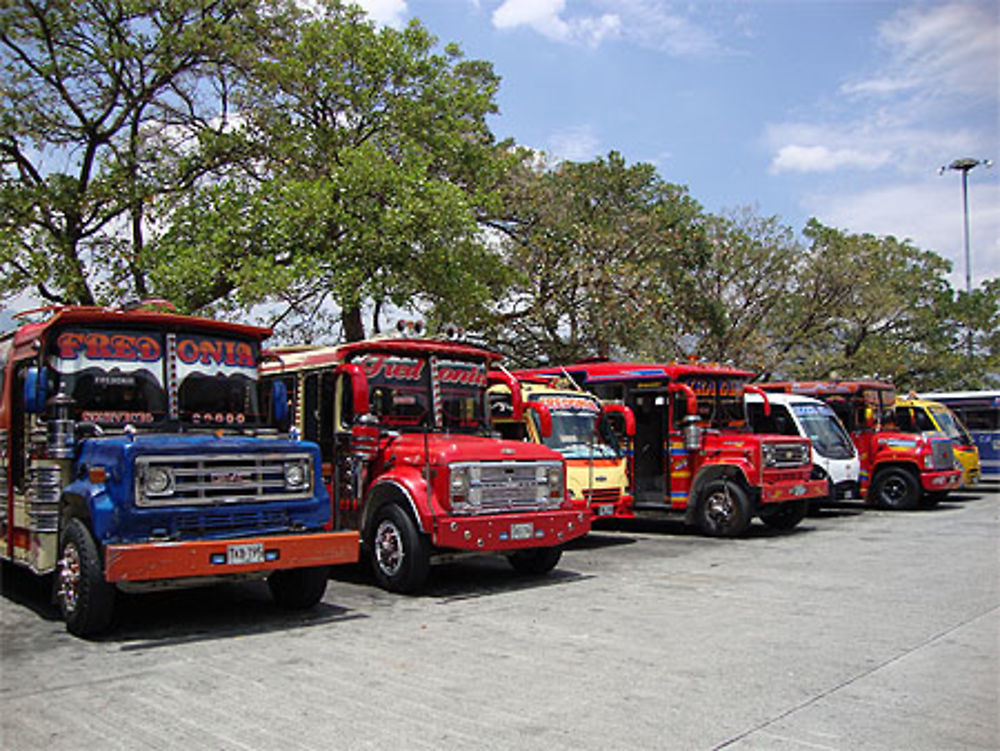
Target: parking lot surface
859,630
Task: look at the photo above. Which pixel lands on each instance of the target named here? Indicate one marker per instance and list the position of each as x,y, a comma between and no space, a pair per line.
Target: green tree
100,110
366,161
597,249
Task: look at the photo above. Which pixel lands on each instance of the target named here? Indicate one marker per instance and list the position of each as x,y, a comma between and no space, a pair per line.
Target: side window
784,424
923,420
311,407
904,419
327,384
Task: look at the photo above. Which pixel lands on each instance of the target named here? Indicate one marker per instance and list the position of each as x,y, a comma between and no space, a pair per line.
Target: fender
405,485
92,503
733,471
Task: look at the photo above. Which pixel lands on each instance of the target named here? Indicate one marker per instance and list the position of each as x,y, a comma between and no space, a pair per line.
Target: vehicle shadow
170,617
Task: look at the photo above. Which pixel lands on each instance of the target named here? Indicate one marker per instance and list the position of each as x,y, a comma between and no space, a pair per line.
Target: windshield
573,427
823,428
951,426
401,397
118,377
720,399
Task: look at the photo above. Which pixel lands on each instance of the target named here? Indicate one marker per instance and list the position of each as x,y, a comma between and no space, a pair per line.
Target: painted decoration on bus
567,403
730,387
461,373
114,377
217,380
379,367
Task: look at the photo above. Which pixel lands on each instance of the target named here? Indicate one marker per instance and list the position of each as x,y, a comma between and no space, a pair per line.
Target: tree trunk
353,326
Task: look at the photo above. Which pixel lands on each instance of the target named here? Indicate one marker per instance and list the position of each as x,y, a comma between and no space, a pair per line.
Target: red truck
693,452
411,460
136,452
899,470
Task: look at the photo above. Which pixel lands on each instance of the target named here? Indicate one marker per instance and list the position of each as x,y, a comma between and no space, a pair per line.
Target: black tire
398,553
85,599
785,515
723,509
895,489
299,588
535,560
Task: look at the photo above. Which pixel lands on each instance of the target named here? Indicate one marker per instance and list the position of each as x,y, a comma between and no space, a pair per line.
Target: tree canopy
296,163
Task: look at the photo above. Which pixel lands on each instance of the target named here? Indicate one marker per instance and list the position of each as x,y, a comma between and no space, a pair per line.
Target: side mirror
516,398
544,417
748,389
279,404
627,415
358,383
36,389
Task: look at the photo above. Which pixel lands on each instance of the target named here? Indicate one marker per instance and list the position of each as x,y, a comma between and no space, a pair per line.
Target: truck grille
498,487
785,454
210,521
602,495
243,478
944,456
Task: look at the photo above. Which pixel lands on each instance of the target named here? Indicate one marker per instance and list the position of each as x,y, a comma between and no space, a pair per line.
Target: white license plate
606,510
522,531
848,494
244,553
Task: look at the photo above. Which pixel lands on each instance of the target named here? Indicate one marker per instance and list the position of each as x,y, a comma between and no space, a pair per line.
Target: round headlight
295,475
159,481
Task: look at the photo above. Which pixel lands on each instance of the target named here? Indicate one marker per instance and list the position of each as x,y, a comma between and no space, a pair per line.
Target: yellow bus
916,415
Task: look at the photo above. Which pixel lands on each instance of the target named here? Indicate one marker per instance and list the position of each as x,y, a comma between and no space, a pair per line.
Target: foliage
100,97
597,248
365,154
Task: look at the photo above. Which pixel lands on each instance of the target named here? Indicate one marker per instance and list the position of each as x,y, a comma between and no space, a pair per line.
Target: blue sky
840,110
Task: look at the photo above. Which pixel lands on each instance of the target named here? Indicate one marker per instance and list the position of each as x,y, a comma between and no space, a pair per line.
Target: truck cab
138,452
899,470
834,456
413,462
916,415
562,416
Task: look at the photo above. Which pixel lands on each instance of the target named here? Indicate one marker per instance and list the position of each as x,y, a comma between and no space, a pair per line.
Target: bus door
650,447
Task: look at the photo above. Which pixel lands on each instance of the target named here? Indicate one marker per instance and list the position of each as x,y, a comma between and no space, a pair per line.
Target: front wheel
895,489
723,509
785,515
85,599
398,552
299,588
536,560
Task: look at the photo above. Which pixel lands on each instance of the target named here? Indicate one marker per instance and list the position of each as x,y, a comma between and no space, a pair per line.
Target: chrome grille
497,487
785,454
943,454
222,479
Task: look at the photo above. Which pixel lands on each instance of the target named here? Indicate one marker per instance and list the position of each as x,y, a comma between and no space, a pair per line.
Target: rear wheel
535,560
895,489
85,599
784,515
298,588
399,554
723,509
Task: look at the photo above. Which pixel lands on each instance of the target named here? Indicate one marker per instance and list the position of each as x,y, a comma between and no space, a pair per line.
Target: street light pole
964,166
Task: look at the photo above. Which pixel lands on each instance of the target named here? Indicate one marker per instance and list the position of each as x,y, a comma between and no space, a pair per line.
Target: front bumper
935,482
209,558
782,491
498,532
620,509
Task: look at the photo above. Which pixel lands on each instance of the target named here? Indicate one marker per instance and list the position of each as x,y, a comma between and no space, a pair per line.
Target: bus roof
139,316
307,357
634,371
813,388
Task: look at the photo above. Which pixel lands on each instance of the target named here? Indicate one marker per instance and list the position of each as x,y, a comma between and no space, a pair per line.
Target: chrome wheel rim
69,577
389,552
720,508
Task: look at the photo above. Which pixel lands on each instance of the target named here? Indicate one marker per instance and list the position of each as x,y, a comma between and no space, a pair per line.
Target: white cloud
794,158
576,144
545,17
646,23
385,12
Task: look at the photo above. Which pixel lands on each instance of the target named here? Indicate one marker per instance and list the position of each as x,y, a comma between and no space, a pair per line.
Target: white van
833,453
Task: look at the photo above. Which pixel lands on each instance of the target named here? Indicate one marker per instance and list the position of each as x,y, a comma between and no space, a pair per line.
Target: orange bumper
182,560
511,531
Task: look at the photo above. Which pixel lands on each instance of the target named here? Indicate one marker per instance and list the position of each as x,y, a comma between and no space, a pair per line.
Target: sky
842,110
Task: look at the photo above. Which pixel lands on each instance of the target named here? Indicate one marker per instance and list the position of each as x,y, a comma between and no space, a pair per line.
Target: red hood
454,447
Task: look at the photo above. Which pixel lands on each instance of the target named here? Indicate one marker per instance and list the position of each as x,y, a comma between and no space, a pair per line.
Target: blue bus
980,411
